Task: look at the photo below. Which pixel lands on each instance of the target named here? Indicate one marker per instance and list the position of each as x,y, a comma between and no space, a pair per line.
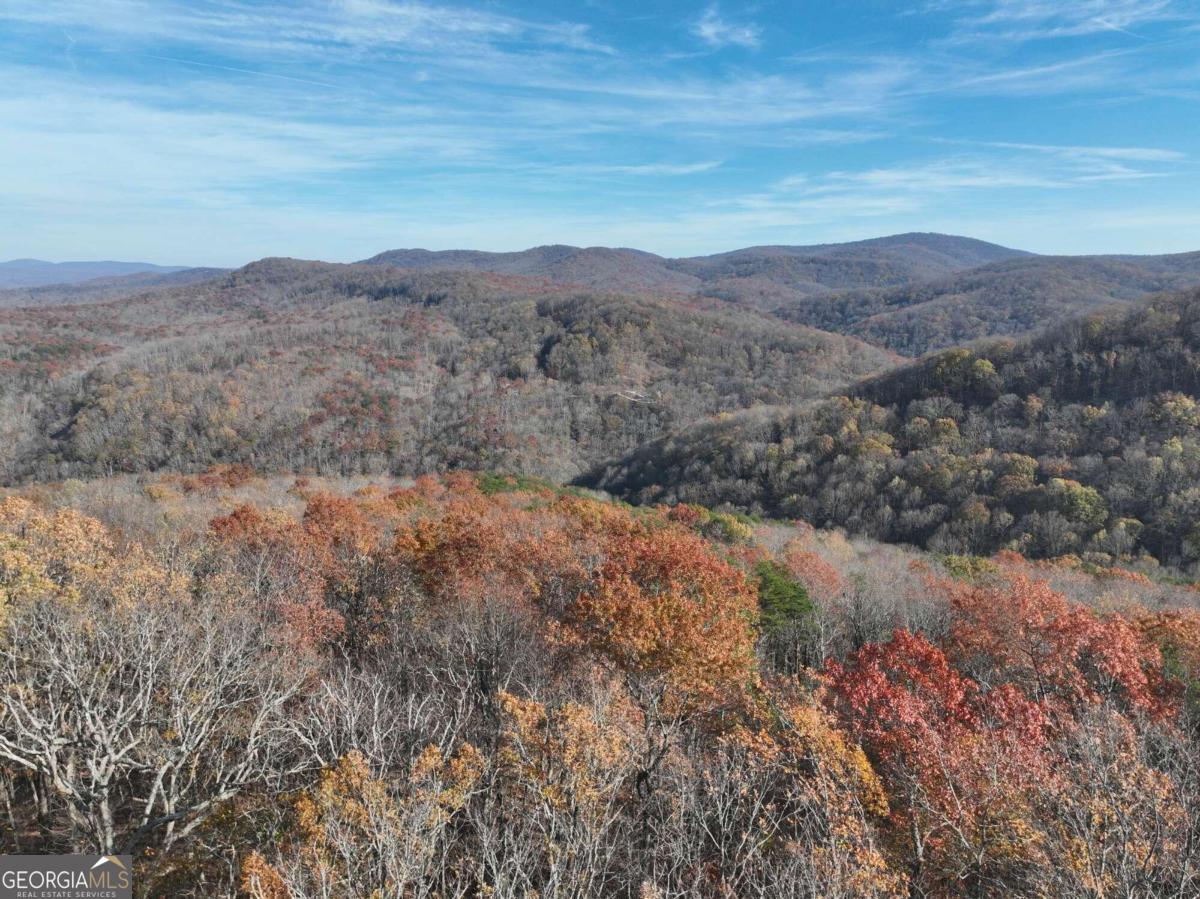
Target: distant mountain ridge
947,251
909,293
97,290
867,263
38,272
610,268
905,293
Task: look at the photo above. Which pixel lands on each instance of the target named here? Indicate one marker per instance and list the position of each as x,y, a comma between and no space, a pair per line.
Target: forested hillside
909,293
603,267
289,365
1083,440
1076,441
241,644
756,276
1003,298
475,685
767,278
775,278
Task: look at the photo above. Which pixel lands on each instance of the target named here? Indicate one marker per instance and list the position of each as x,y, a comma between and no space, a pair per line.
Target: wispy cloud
715,31
136,147
653,169
1079,73
279,28
237,69
394,119
1030,20
941,176
1132,154
914,187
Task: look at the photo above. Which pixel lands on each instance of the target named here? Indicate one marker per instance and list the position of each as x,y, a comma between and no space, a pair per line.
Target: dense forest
1084,440
294,602
909,293
288,365
486,686
1076,441
1011,297
797,271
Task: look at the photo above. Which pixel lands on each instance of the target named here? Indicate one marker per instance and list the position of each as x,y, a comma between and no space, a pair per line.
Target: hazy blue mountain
37,272
99,289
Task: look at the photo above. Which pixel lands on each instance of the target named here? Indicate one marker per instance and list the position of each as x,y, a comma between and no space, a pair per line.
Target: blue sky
193,132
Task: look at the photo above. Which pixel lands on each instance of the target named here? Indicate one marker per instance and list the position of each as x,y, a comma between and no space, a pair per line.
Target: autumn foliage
471,686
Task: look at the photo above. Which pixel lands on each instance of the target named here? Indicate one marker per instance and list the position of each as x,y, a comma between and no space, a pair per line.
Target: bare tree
141,720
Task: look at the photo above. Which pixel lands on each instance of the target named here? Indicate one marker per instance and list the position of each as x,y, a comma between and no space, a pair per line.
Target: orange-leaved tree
959,763
1019,631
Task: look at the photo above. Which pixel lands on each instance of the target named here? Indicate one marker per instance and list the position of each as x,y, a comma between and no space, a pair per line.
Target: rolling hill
1077,438
1009,297
909,293
1084,439
745,276
769,277
602,267
292,365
